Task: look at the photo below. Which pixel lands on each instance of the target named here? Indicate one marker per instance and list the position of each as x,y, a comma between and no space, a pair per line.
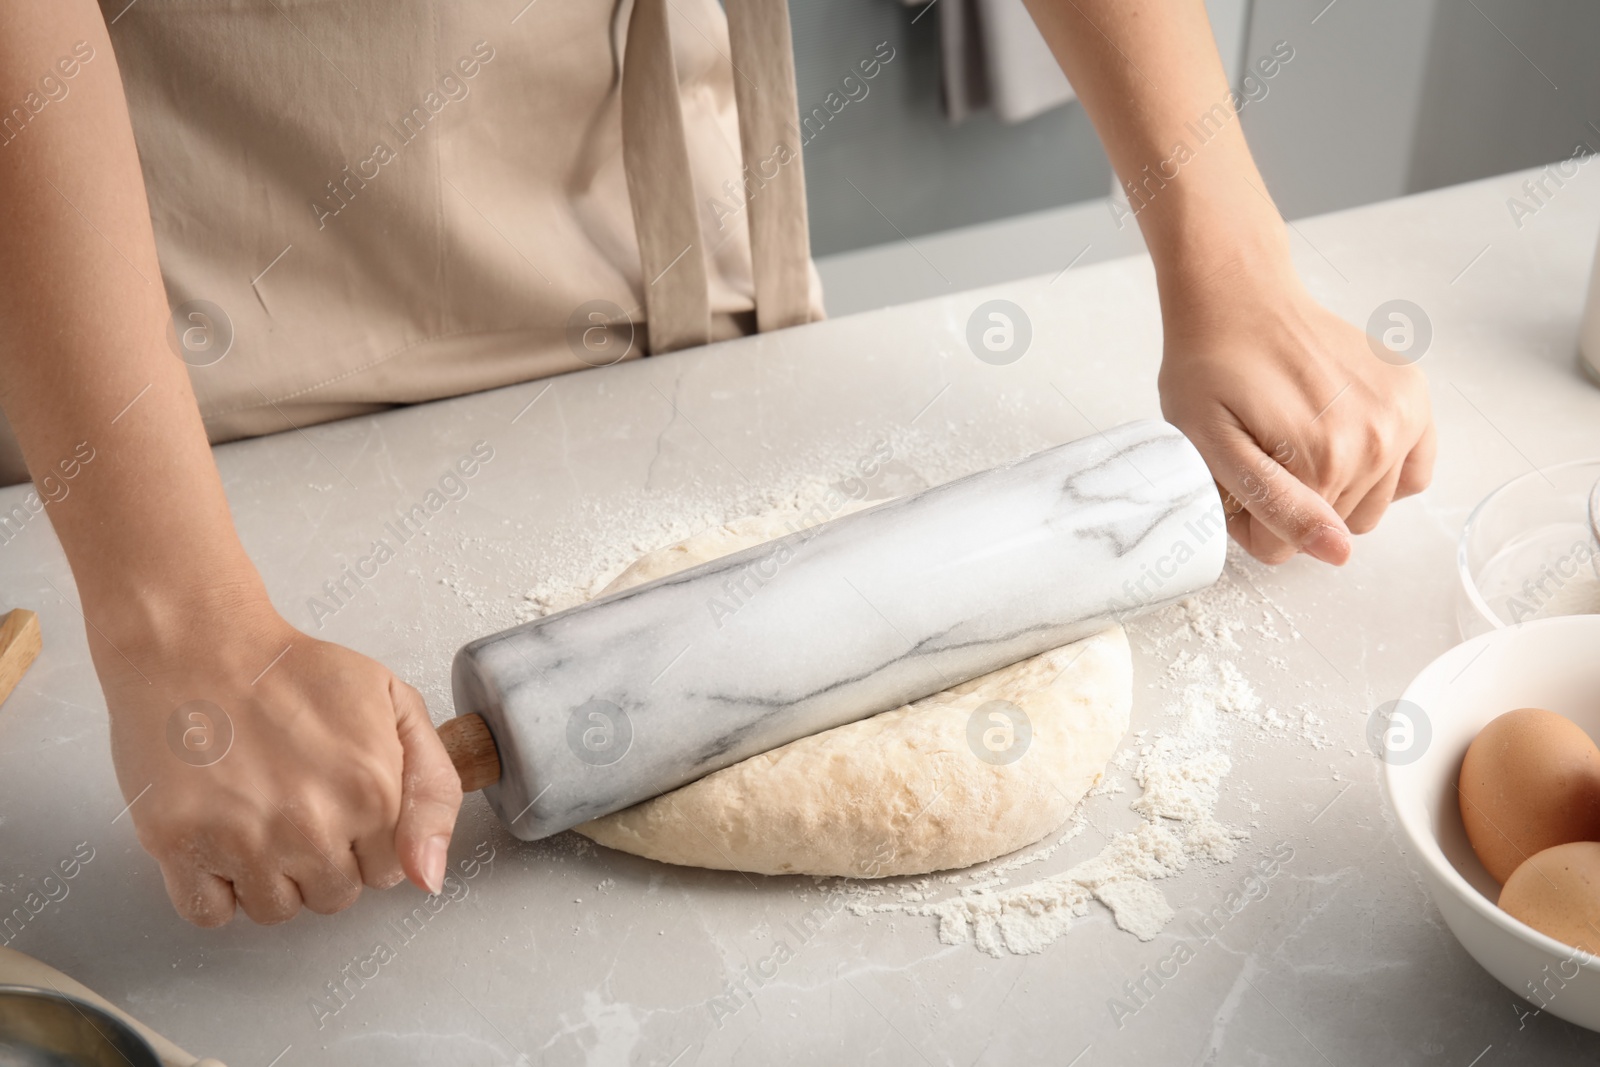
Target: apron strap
774,175
655,157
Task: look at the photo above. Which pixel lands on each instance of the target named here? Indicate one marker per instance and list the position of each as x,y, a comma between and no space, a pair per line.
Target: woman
400,201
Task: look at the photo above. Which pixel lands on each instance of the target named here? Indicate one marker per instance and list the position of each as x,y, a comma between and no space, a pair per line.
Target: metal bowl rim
122,1028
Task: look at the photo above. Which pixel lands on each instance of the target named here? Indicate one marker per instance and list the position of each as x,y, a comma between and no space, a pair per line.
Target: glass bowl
1526,551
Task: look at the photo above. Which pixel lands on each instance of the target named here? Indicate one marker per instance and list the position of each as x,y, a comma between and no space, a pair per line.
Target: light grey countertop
564,953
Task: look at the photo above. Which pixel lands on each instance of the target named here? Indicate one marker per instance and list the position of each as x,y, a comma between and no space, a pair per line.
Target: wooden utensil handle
471,747
19,645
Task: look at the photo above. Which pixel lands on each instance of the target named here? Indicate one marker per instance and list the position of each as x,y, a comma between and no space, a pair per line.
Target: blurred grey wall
889,164
1510,84
1383,98
1337,127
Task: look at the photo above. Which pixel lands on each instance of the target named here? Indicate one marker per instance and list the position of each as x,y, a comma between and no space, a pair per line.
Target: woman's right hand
334,777
1308,432
309,771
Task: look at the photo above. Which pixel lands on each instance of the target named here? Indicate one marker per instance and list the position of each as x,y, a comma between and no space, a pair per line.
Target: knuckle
164,828
1274,549
207,910
336,899
1413,480
1259,480
1269,549
1378,438
387,878
205,916
194,840
373,785
321,844
1322,457
276,915
305,818
247,840
272,907
1347,454
439,783
1364,521
377,861
157,836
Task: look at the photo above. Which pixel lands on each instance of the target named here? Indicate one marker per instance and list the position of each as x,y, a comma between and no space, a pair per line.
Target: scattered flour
1180,772
1028,918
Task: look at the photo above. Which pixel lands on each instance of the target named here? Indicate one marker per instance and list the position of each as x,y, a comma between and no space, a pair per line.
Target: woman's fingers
430,792
1278,503
198,896
1252,536
378,861
1364,517
271,885
268,897
1417,471
329,882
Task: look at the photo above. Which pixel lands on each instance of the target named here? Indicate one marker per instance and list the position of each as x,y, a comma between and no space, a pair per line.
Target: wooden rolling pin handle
471,747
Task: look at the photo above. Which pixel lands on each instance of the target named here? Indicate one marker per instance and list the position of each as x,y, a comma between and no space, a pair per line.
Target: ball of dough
920,788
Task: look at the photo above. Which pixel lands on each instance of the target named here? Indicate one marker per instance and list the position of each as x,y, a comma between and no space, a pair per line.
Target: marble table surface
556,952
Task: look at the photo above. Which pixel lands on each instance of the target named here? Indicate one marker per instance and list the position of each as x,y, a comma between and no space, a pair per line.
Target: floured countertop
1233,891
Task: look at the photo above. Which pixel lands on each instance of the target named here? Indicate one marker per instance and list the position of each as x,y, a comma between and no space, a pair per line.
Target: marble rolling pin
596,708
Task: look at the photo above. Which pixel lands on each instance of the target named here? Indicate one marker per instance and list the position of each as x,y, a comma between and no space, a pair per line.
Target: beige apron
391,201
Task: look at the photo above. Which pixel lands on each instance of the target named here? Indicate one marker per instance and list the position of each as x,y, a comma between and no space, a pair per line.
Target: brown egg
1557,892
1530,781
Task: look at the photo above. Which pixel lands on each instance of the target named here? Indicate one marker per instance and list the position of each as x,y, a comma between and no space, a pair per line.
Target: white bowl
1548,663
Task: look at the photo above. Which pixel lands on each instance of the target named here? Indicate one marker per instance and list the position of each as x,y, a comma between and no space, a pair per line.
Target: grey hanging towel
993,57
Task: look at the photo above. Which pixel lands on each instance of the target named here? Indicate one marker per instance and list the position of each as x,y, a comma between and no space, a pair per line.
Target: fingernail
1329,544
434,854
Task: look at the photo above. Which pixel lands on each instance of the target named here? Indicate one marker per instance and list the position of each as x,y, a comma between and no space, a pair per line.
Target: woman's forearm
1251,364
85,366
1149,77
